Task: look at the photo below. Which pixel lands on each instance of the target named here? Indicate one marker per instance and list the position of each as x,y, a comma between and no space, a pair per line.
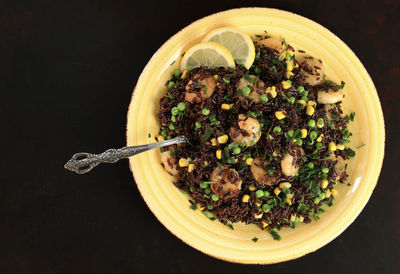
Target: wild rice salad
268,144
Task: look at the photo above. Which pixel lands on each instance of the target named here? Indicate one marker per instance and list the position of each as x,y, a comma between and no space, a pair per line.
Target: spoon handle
84,162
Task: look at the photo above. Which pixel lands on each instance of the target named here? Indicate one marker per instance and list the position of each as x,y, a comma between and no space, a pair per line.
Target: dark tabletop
67,69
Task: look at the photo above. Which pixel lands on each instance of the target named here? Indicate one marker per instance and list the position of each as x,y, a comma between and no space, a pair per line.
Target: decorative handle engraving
84,162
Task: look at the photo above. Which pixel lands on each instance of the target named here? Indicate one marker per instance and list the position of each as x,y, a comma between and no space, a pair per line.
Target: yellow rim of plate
212,238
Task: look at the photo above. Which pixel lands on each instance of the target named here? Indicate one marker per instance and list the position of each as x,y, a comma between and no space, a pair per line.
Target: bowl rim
378,115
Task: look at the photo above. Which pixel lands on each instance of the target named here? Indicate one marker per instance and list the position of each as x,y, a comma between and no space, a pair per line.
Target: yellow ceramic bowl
171,207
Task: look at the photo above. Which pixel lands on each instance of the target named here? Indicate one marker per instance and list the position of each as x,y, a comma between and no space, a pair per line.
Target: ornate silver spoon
84,162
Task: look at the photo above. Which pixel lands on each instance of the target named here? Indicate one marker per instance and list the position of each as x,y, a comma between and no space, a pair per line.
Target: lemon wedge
238,43
209,54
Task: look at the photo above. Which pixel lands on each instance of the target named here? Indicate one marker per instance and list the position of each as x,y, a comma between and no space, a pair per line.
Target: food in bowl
269,139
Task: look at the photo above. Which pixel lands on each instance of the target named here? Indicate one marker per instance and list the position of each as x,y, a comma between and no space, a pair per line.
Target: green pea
203,185
226,81
266,208
318,145
174,111
177,73
246,91
277,129
237,150
207,213
316,200
164,133
304,98
215,197
311,123
291,100
207,190
310,165
259,193
181,106
299,141
266,193
205,111
325,170
322,196
305,93
300,89
264,98
173,119
171,127
209,207
197,125
290,133
171,84
313,135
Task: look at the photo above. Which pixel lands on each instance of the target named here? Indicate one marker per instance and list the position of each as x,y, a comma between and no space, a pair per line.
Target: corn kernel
160,138
280,115
215,77
252,188
334,192
296,65
236,160
274,154
328,193
310,110
292,217
289,74
272,91
324,183
303,133
184,74
258,204
311,103
258,216
199,206
264,224
218,153
205,163
191,168
282,56
213,142
245,198
332,146
223,139
288,201
340,147
277,191
320,123
290,195
289,65
183,162
286,84
319,139
285,184
302,102
226,106
249,161
301,219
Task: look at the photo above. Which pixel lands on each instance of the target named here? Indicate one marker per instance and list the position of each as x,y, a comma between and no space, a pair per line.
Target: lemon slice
209,54
238,43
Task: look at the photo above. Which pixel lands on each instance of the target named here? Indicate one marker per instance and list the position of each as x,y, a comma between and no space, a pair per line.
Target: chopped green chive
237,150
255,239
318,145
205,111
181,106
226,81
193,207
277,129
214,197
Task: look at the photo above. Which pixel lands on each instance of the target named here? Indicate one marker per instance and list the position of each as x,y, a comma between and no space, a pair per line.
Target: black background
67,70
